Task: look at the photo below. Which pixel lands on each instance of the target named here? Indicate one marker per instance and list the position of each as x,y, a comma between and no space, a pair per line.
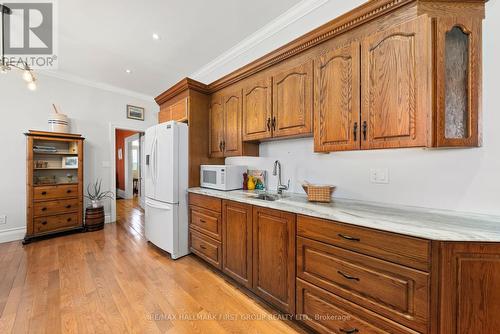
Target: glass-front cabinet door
458,82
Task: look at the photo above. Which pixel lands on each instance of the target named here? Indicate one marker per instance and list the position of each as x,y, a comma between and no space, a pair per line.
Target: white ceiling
99,40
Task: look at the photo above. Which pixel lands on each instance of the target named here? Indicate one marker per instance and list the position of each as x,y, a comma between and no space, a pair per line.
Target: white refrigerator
166,187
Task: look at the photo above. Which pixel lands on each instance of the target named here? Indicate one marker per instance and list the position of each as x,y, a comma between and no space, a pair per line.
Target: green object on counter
259,185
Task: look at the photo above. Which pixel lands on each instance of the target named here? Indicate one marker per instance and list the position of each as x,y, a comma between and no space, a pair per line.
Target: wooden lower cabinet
407,251
325,312
341,278
208,249
470,288
237,246
274,257
206,222
394,291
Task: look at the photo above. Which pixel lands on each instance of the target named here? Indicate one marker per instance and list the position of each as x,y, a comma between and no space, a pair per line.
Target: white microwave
222,177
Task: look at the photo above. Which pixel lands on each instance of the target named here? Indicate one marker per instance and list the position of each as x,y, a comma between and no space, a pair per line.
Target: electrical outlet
3,219
379,175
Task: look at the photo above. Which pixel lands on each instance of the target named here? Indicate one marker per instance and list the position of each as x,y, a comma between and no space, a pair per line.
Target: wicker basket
318,193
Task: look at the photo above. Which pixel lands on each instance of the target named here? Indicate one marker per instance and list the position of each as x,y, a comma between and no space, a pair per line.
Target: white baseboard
12,234
121,193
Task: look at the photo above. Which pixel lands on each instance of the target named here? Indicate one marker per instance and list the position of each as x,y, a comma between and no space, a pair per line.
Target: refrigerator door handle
153,162
156,160
157,206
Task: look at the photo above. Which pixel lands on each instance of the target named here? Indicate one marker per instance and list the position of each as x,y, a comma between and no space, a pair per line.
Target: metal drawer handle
349,331
347,237
68,206
349,277
69,219
44,223
44,193
68,191
202,246
202,221
44,209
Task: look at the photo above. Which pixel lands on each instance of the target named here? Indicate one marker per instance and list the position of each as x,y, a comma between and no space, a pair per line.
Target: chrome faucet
277,171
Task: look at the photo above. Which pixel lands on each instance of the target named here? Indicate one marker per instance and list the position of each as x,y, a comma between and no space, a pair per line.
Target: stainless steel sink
268,197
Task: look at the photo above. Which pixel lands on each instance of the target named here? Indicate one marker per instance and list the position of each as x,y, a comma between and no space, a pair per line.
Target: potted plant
95,195
94,214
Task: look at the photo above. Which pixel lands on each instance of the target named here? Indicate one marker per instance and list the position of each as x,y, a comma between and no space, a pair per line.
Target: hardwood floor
113,281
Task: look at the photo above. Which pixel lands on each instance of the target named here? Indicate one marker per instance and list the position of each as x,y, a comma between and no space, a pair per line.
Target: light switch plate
3,219
379,175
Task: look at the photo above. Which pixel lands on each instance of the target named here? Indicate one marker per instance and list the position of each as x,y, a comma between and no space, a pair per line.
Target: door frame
142,171
129,184
112,163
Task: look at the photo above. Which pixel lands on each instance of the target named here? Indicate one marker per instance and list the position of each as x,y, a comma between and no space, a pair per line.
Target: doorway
128,167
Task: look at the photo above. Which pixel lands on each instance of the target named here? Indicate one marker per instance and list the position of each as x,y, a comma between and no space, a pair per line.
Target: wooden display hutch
54,184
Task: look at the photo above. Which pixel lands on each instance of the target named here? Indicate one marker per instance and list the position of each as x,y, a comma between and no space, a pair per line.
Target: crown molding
180,87
94,84
352,19
281,22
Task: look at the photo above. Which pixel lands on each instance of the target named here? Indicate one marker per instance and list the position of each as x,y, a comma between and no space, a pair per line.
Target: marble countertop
425,223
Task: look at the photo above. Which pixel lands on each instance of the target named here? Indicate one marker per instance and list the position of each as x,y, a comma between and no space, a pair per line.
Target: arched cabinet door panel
216,127
232,112
257,110
396,91
293,101
337,100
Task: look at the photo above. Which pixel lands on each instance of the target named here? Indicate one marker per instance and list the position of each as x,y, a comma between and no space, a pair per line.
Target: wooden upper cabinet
274,257
257,110
293,101
396,95
232,124
458,81
164,115
225,127
177,111
337,100
237,241
216,127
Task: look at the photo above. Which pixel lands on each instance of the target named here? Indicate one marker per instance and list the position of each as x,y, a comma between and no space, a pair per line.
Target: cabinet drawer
408,251
208,249
328,313
54,192
206,221
207,202
55,223
55,207
397,292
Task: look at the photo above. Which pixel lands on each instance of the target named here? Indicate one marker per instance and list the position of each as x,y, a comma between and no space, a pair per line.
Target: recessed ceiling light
128,71
156,36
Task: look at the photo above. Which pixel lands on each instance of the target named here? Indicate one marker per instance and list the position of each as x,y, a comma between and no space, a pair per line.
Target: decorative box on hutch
54,183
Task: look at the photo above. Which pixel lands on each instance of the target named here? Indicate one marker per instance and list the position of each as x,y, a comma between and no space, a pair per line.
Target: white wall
457,179
91,110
